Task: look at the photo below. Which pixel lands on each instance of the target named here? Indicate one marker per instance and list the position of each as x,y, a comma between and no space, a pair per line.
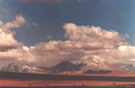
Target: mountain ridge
89,65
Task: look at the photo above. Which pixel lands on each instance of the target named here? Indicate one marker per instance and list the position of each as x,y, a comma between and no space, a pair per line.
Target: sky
49,31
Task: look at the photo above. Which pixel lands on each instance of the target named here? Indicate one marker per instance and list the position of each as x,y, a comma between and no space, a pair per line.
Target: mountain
12,67
89,65
129,67
65,66
28,69
95,63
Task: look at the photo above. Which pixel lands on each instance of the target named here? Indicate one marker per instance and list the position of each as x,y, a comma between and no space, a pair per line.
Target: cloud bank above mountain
82,42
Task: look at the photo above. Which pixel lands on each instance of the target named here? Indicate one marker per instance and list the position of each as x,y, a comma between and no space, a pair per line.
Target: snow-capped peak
93,60
94,63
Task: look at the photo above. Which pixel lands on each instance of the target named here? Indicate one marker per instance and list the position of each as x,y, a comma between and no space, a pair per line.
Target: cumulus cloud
7,40
16,23
82,41
93,37
44,1
127,52
10,48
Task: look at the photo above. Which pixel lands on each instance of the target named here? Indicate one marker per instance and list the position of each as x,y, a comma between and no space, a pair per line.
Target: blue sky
45,19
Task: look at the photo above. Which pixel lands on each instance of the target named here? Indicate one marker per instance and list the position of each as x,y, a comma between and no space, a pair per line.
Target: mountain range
92,65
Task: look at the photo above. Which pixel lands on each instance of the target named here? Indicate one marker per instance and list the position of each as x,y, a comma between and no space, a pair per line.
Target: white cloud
10,48
81,41
16,23
7,40
127,52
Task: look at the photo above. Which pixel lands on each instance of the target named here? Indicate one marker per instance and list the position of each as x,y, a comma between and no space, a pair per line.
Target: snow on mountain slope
12,67
89,64
95,63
